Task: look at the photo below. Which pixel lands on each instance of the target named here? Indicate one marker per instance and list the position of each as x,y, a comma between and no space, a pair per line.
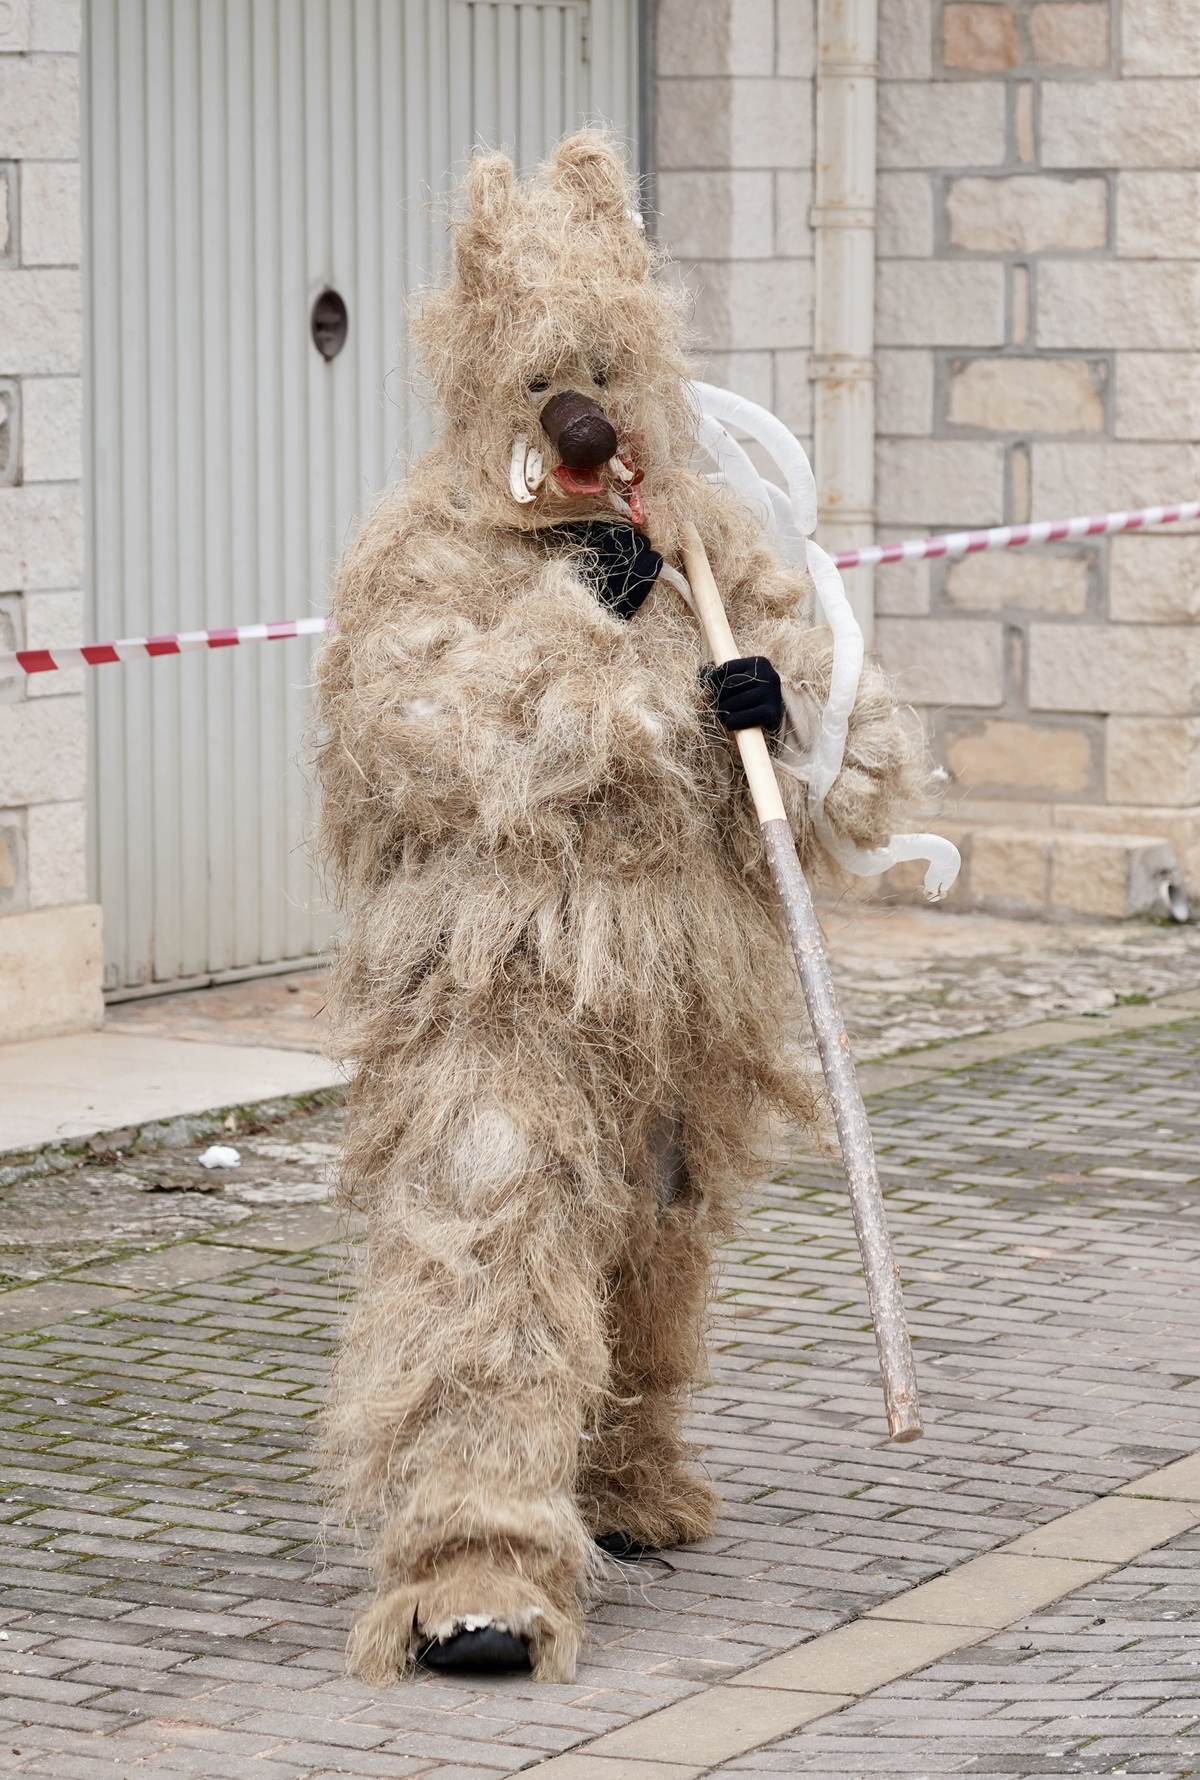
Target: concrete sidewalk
166,1058
56,1089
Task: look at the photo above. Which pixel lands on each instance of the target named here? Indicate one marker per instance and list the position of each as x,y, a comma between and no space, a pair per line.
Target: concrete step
1053,872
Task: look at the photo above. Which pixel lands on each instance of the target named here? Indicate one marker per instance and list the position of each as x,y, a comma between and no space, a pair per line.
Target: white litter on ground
219,1155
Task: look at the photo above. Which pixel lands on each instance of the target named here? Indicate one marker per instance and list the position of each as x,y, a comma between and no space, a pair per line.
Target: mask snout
579,430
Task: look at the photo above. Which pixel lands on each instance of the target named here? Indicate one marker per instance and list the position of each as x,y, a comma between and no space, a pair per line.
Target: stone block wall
1038,355
733,163
49,933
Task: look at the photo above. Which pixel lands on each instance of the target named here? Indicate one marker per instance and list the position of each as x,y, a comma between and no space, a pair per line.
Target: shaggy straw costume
564,980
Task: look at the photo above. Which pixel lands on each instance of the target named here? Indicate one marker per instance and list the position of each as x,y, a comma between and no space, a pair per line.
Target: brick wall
1038,334
49,957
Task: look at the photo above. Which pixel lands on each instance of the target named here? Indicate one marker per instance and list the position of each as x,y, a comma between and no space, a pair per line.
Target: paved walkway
908,977
173,1609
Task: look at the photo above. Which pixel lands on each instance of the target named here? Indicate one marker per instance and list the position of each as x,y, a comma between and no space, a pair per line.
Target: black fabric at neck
617,561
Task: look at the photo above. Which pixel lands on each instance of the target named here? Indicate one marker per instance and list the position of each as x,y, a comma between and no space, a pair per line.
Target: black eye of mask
616,560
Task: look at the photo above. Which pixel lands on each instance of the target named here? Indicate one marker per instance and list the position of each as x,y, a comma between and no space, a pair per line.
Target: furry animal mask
553,294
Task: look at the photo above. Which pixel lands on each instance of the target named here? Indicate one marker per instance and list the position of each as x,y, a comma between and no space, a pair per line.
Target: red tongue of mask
574,481
578,481
586,481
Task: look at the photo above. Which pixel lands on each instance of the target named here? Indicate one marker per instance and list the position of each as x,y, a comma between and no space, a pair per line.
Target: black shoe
488,1651
622,1545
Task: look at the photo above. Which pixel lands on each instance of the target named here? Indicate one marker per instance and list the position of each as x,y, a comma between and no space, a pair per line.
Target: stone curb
161,1134
825,1674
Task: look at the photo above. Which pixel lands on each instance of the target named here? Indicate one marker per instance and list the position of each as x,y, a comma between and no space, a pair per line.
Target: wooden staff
854,1133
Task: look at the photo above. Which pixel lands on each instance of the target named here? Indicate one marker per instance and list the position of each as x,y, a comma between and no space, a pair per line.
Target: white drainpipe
843,219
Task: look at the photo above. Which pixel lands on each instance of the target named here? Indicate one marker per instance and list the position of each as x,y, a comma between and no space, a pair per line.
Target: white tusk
535,470
619,471
518,486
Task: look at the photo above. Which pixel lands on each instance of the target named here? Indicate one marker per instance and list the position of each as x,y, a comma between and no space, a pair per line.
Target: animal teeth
518,469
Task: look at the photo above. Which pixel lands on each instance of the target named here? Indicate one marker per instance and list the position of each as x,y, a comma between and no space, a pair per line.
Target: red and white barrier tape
1007,537
1000,537
70,655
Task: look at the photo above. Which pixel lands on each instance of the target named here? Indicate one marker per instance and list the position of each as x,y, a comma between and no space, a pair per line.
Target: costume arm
769,604
453,699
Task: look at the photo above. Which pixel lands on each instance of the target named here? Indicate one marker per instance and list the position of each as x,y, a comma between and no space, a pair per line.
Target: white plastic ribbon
734,410
736,471
793,517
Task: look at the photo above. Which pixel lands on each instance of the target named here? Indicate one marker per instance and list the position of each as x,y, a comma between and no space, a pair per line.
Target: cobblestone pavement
910,977
119,1202
172,1607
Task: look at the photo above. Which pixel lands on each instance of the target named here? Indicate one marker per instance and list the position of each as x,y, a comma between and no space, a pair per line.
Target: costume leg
476,1353
636,1478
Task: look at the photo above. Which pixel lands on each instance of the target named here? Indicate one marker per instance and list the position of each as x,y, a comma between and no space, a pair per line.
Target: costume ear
490,188
587,168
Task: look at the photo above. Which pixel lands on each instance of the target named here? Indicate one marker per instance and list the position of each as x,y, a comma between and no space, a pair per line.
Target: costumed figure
564,985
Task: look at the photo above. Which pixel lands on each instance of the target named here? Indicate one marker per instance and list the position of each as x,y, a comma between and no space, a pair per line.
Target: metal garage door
242,156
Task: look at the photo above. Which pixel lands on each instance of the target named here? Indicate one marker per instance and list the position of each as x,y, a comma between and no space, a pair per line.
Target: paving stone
1110,1694
722,1722
51,1300
179,1264
991,1590
1109,1531
601,1767
859,1658
1179,1482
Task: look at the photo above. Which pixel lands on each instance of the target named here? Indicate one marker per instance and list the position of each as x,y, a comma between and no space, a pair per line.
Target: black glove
618,562
746,692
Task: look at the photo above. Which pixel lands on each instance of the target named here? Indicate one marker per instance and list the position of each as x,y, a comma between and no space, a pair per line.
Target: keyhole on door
330,323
